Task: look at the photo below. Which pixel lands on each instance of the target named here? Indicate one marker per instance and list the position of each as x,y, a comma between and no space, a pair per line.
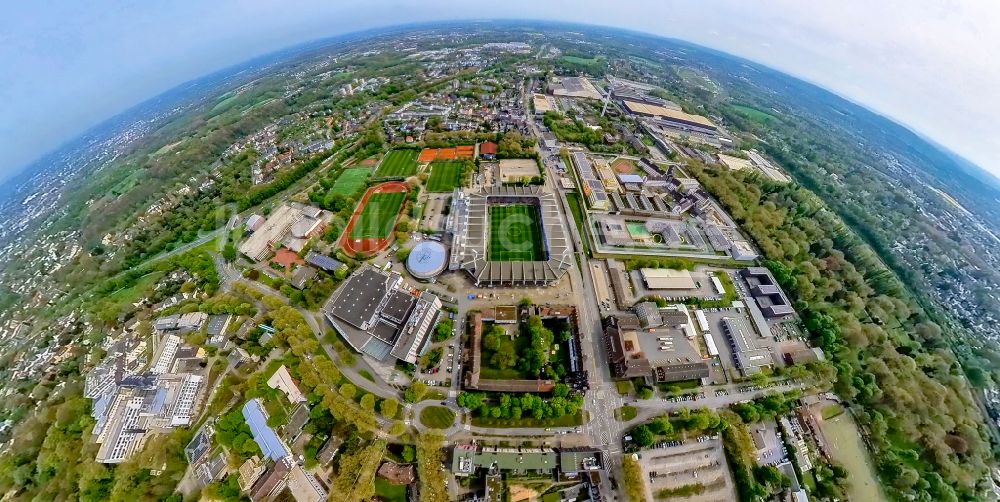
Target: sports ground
398,163
350,181
515,233
445,176
370,228
457,153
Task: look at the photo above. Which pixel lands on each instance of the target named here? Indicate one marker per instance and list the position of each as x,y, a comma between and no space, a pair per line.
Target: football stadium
509,236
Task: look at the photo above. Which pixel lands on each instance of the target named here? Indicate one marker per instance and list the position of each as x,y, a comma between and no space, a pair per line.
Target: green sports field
445,176
515,233
350,181
379,216
398,163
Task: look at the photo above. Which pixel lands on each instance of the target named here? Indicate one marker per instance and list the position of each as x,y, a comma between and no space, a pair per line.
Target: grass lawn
563,421
350,181
831,411
388,491
437,417
754,114
624,387
378,217
626,413
445,176
848,450
434,395
515,233
576,207
398,163
580,60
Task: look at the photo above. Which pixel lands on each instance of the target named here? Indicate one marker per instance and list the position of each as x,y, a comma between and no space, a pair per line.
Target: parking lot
434,217
698,465
770,450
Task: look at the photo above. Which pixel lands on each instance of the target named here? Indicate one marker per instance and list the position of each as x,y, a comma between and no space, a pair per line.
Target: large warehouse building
470,227
381,316
675,118
665,278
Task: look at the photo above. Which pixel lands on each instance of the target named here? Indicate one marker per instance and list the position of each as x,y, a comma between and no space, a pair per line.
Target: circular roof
427,259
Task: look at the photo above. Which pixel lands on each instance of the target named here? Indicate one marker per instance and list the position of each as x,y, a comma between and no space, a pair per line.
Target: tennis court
515,233
460,152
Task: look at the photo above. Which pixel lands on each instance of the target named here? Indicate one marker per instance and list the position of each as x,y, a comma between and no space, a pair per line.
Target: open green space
515,233
582,60
225,102
388,491
378,217
754,114
398,163
576,207
445,176
624,387
350,181
626,413
847,449
437,417
832,411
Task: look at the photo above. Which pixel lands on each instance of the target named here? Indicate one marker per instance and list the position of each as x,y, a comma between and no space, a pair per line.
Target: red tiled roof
488,148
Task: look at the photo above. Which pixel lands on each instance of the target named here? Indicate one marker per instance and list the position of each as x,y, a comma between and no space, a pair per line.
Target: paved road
229,276
602,399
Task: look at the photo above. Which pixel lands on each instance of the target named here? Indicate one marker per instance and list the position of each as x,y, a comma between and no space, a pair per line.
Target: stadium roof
427,259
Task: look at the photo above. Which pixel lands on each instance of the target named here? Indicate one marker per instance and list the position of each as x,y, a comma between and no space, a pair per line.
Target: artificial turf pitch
515,233
445,176
398,163
350,181
378,217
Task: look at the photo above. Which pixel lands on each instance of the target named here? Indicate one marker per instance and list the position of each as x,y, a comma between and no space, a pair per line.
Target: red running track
370,246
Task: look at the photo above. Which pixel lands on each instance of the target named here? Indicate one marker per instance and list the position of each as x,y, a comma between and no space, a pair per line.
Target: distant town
435,266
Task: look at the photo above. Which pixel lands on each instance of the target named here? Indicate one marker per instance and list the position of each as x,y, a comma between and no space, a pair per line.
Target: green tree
389,408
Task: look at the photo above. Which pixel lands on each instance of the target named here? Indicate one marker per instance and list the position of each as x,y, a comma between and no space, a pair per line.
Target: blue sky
930,64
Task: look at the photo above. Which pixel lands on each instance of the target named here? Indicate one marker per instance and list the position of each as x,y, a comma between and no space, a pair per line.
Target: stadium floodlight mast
607,94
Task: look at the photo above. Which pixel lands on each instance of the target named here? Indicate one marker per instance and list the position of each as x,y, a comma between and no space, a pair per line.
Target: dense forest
893,364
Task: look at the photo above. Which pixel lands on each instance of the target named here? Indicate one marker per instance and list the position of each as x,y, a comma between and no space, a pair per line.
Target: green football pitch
350,181
445,176
515,233
378,216
398,163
